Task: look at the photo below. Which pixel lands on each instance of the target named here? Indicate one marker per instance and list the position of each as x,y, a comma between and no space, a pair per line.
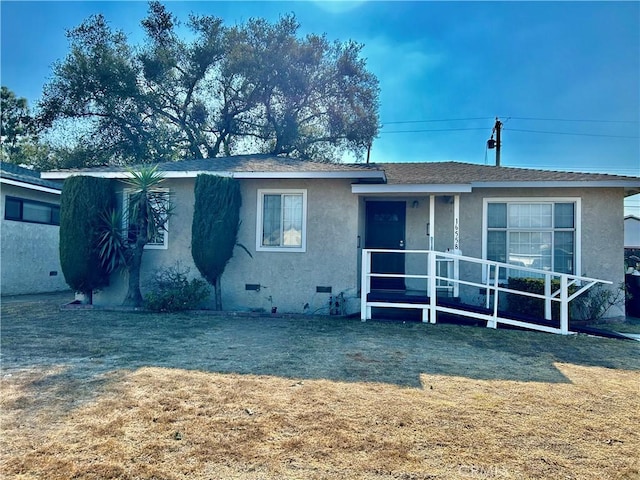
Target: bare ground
94,395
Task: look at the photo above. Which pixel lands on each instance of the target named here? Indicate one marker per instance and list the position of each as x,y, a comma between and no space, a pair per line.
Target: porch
453,284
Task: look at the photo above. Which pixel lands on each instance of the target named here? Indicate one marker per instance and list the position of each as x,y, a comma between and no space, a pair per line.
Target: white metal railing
489,282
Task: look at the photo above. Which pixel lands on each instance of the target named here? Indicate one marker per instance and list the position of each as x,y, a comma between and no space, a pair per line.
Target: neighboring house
632,231
306,223
29,232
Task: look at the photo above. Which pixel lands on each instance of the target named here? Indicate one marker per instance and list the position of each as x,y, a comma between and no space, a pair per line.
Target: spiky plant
146,214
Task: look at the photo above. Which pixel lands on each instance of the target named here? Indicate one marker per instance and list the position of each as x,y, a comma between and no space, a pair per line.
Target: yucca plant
146,214
112,246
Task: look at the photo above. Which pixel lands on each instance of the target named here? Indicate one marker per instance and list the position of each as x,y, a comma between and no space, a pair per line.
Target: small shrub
596,302
174,292
530,306
591,305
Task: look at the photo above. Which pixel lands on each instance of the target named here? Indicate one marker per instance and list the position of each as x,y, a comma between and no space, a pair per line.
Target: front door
385,228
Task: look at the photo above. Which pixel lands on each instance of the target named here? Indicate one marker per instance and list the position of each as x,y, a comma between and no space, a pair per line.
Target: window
160,205
281,220
534,234
32,211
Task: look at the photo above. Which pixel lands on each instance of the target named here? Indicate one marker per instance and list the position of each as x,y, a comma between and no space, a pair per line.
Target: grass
95,395
629,325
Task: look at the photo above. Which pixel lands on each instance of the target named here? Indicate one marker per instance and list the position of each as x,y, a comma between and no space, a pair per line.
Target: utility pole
497,143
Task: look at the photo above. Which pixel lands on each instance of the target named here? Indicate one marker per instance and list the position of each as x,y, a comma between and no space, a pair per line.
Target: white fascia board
65,175
30,186
560,184
367,189
377,175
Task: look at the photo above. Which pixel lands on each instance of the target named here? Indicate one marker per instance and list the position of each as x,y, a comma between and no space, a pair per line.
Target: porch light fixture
415,204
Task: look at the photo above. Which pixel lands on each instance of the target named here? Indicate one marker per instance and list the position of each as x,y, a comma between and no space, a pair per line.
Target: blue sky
549,70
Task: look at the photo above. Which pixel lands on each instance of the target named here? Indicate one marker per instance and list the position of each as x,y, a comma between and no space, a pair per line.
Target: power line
541,119
438,120
571,120
572,133
436,130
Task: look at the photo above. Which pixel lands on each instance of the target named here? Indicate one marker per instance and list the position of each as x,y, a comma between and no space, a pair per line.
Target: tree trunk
218,293
134,296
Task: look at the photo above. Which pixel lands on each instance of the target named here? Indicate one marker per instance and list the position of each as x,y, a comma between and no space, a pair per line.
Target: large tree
19,142
251,88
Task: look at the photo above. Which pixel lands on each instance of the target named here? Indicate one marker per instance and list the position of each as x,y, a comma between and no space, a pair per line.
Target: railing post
432,286
365,288
547,296
456,275
496,282
564,304
487,291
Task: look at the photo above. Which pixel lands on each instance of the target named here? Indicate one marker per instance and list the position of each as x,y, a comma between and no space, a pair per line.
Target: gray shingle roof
245,163
425,173
466,173
263,163
25,175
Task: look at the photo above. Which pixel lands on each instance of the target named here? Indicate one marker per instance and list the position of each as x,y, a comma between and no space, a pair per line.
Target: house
306,224
29,257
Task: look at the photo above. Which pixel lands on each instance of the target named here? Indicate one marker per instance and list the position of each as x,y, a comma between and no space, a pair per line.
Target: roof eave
371,189
31,186
631,187
364,175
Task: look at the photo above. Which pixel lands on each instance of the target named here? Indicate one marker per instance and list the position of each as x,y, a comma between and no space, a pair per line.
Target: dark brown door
385,228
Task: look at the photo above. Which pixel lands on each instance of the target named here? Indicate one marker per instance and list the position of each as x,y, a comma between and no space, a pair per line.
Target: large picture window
533,234
281,220
160,204
31,211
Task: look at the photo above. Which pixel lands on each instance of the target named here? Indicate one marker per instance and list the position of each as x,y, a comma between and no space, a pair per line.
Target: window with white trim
534,234
281,221
160,203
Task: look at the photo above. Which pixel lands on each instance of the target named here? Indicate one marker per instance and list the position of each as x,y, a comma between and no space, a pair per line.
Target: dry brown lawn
157,423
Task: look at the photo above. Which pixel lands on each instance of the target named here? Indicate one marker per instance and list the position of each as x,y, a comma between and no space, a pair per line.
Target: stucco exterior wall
335,228
287,280
29,258
601,232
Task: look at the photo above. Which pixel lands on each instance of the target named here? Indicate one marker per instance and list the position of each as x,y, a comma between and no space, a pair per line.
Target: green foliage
20,142
597,301
216,219
256,87
530,306
147,213
112,245
148,209
591,305
174,292
83,199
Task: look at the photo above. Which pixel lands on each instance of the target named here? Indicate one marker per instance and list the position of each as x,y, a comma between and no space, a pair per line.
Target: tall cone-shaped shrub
82,202
214,232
